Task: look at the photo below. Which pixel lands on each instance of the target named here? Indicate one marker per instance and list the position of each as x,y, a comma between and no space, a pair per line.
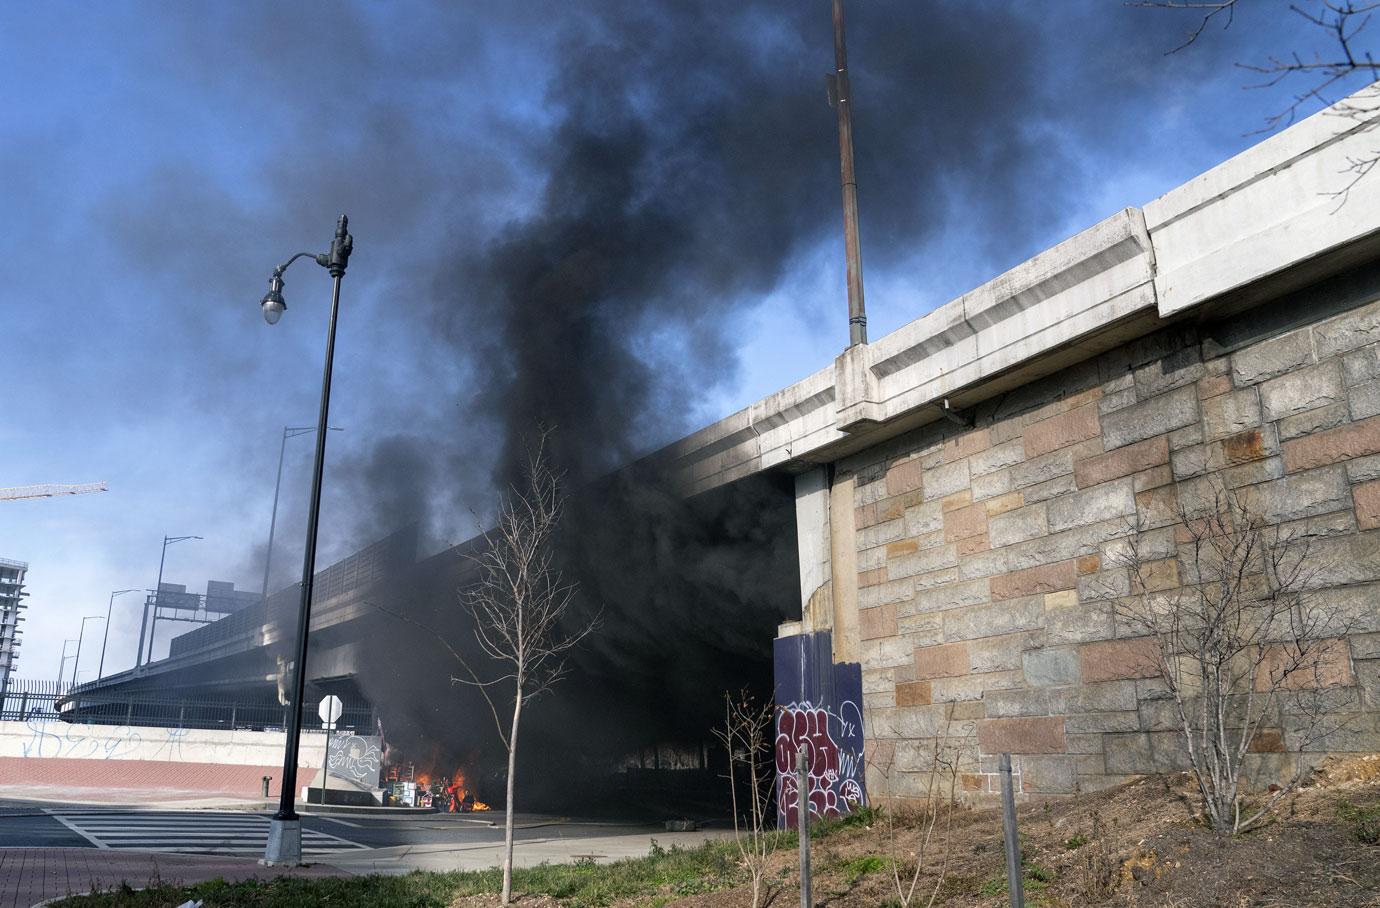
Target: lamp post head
272,302
341,247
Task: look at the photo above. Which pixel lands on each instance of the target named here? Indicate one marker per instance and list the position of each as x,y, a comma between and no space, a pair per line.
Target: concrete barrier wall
37,739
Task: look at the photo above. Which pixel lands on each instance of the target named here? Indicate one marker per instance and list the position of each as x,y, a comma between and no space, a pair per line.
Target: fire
447,793
460,798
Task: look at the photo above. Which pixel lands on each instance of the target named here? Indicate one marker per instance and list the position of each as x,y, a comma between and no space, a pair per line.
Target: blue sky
159,159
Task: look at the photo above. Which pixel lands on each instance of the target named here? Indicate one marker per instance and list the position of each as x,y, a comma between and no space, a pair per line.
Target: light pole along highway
285,828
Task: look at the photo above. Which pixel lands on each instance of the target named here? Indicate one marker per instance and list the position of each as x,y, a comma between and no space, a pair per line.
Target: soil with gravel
1141,844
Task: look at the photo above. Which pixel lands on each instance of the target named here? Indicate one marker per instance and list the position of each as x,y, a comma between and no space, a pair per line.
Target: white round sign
330,709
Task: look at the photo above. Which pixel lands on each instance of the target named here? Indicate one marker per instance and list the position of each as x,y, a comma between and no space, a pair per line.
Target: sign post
329,710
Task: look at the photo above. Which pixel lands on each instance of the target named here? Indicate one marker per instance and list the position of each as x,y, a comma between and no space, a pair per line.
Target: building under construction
12,598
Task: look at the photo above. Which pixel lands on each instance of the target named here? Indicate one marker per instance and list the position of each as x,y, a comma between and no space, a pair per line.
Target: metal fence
54,700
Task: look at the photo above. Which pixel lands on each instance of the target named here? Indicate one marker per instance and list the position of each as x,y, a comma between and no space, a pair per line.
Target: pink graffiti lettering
807,729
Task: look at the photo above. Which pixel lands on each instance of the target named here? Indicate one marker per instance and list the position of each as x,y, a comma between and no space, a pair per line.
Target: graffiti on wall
356,759
818,711
85,741
833,772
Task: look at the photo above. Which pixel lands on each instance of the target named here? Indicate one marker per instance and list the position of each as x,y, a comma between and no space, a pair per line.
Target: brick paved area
169,779
31,875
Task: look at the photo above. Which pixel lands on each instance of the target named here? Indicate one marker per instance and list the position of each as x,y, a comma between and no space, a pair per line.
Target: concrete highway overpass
963,485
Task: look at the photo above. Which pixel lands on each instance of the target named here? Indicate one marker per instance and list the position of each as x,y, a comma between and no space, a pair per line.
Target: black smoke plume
693,163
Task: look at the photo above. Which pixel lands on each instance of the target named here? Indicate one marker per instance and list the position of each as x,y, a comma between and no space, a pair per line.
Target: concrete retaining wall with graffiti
38,739
355,762
819,710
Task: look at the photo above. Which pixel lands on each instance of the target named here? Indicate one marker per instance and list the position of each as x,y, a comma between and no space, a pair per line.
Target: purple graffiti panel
819,711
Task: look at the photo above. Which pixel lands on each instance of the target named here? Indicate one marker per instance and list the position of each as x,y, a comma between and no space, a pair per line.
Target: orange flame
461,799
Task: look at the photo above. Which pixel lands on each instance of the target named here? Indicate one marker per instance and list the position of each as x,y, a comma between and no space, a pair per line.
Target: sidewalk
554,849
31,875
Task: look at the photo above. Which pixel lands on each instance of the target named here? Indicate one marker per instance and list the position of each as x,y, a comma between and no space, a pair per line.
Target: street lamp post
77,662
100,670
285,829
288,432
157,594
62,664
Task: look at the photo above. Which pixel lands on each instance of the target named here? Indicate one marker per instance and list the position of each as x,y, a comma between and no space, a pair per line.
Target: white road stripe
65,822
342,822
189,832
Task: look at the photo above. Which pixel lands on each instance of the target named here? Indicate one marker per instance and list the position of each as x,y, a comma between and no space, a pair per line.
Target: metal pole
143,627
105,638
326,761
81,635
294,729
802,782
62,664
273,521
77,660
1014,884
857,310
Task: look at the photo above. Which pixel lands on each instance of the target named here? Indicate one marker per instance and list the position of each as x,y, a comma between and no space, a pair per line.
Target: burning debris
453,793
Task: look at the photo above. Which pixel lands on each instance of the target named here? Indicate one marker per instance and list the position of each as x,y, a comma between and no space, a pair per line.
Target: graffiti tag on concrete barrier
832,741
83,742
356,759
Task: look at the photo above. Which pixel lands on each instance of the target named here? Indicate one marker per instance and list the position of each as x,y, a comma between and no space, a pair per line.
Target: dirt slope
1136,845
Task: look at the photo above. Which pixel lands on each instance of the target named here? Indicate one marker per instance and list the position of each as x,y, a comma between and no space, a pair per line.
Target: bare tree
519,604
520,608
1320,76
1233,632
934,826
747,737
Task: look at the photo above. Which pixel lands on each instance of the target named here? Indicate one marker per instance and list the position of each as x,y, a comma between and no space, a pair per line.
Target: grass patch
1364,821
861,817
666,873
854,869
1035,878
1075,841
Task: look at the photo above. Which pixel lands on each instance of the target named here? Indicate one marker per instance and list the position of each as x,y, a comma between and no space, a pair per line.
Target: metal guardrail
53,700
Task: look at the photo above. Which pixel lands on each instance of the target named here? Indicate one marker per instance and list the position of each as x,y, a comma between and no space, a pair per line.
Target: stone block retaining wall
981,552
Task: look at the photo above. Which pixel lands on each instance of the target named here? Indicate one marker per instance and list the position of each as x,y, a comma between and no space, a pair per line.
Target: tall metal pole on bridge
80,636
288,432
841,94
157,591
100,670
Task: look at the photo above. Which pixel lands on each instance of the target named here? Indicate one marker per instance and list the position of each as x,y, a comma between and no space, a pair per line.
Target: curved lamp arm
321,259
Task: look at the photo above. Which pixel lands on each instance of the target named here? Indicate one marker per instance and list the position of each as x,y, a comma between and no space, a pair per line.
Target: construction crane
50,490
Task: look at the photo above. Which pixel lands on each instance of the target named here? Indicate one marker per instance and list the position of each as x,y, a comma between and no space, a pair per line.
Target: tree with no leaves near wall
520,604
1247,660
747,739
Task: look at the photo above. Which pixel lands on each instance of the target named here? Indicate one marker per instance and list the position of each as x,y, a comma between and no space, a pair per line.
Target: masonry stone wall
981,552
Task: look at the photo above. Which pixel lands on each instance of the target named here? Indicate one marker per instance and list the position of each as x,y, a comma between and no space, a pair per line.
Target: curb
360,811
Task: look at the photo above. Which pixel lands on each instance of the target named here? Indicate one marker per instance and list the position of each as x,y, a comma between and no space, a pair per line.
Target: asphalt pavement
357,844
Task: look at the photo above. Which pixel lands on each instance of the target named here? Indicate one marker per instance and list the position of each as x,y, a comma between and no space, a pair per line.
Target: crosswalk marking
189,832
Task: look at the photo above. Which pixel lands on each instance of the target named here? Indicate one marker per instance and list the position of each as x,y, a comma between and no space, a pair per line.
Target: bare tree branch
1342,24
473,679
746,736
937,809
1210,10
1239,644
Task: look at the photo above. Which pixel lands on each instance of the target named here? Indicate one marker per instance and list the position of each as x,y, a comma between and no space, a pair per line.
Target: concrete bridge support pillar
828,557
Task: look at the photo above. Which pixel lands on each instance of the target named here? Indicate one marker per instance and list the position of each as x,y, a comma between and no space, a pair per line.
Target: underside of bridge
688,594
